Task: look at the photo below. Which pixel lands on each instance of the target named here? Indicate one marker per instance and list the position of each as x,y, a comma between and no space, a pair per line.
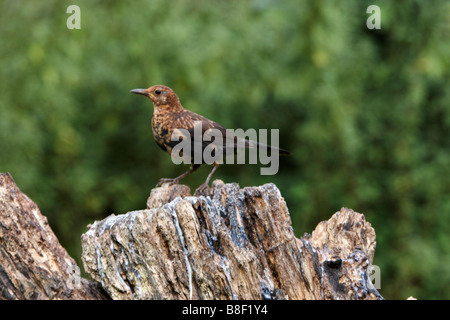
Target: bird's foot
167,180
202,190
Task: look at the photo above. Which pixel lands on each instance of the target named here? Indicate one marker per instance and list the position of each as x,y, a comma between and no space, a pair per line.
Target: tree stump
33,265
233,244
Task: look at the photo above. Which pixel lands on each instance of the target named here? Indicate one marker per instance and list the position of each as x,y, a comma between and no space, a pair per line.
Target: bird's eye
157,91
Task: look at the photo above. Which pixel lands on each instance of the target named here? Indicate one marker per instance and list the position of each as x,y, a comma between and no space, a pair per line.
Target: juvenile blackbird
169,117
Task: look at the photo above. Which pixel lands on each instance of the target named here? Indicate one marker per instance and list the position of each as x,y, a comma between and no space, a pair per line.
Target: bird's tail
254,144
272,149
242,143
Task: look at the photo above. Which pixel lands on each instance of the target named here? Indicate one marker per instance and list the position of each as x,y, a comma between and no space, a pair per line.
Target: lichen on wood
232,244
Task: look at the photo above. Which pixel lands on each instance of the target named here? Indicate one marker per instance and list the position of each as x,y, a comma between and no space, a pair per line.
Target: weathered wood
234,244
33,265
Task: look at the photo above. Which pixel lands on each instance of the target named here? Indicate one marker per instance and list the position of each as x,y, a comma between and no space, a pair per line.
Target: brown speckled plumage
169,115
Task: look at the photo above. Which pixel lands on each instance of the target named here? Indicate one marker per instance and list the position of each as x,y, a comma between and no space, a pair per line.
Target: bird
171,118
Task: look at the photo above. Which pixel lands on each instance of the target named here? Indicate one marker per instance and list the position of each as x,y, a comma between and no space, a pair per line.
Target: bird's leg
204,185
172,181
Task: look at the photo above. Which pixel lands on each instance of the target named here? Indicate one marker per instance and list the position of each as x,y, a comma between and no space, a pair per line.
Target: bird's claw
166,180
201,190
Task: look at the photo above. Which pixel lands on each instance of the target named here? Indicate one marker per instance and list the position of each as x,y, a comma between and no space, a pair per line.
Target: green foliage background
365,113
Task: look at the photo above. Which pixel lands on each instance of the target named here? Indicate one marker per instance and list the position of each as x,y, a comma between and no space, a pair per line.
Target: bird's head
160,95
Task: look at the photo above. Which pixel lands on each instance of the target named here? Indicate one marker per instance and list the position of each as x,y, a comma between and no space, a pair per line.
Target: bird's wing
204,132
201,128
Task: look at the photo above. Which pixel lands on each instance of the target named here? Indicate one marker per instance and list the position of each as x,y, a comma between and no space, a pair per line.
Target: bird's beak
144,92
